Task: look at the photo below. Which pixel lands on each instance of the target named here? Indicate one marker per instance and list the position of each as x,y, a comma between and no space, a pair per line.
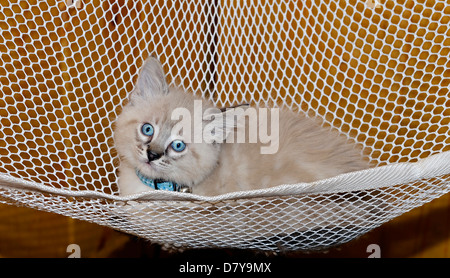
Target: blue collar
160,184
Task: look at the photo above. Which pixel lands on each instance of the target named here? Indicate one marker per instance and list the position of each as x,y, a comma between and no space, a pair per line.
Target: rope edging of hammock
373,178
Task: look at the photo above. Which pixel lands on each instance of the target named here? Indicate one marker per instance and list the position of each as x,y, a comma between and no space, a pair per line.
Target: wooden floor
423,232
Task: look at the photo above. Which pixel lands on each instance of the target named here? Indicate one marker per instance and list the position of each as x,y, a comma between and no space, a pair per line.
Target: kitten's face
146,140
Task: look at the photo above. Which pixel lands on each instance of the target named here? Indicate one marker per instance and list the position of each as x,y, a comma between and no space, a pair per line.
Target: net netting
378,72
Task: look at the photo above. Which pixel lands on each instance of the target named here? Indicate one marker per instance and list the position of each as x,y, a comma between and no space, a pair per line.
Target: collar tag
160,184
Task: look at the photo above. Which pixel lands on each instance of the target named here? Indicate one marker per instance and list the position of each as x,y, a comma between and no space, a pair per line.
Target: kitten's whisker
140,151
162,165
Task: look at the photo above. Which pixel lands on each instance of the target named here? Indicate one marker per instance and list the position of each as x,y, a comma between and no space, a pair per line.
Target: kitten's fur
307,152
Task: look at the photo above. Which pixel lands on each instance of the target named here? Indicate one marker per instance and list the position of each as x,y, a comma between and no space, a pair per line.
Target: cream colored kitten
153,150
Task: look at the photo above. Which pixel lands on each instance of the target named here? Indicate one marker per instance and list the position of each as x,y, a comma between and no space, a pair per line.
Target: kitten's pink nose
152,155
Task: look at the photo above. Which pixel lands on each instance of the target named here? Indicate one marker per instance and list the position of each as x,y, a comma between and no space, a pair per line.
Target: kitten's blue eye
147,129
178,145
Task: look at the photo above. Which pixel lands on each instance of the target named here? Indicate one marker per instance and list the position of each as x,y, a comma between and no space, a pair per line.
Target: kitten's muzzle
152,155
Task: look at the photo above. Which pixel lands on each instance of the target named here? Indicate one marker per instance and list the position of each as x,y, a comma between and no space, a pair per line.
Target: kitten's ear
151,80
221,123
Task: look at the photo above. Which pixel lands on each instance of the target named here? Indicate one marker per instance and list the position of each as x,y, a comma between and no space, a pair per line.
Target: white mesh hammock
376,72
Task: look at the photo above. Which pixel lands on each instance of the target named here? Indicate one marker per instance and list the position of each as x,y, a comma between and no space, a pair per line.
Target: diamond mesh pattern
377,72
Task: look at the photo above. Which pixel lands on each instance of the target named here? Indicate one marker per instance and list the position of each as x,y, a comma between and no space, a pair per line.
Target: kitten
155,154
